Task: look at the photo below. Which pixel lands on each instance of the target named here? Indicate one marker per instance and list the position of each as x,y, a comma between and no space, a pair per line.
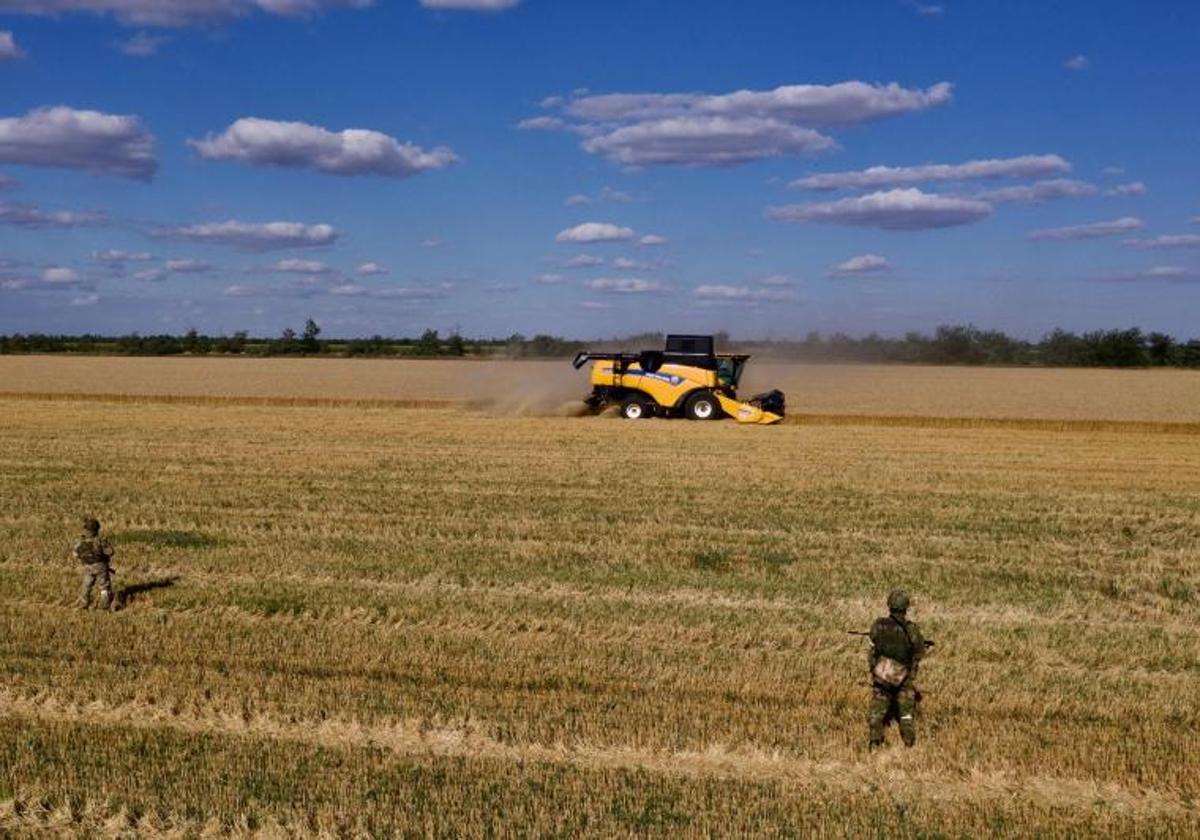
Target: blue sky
592,169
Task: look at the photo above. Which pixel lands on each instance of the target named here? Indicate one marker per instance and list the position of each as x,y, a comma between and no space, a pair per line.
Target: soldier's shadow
128,594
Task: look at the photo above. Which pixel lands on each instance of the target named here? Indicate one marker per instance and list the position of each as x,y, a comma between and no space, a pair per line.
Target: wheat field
356,619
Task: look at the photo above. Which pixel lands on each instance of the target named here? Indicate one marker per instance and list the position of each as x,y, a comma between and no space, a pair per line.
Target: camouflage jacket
91,550
888,638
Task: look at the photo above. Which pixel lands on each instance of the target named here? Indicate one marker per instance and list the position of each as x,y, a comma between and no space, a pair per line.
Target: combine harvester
686,380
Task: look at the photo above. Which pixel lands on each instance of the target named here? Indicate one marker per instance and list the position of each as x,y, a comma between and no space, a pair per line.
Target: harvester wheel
702,406
635,409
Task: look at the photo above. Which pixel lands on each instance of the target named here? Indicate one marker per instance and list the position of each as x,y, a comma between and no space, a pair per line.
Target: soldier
95,552
896,650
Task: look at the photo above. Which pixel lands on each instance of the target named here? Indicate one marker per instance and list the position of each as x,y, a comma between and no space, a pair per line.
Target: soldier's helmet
92,526
898,601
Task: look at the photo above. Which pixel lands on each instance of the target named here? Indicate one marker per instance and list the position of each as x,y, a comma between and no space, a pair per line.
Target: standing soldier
95,552
896,650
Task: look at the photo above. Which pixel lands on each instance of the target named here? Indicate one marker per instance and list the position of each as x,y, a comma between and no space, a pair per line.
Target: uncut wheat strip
420,737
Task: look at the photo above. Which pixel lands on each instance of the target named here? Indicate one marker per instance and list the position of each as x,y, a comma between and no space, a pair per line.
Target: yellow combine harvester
687,379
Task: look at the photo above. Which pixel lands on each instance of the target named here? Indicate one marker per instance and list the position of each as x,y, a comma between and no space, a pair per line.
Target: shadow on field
128,594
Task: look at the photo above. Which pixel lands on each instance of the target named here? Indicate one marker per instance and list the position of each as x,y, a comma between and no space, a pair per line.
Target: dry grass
353,619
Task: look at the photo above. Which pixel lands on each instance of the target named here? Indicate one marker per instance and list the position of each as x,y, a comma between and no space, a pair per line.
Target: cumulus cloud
52,279
1177,240
9,51
28,216
115,257
150,275
907,209
548,279
596,232
268,236
1077,62
651,240
369,268
415,295
90,299
1025,166
187,267
1040,191
926,9
169,13
837,104
62,137
864,264
624,285
542,123
354,151
1132,188
309,268
710,141
712,130
577,200
743,294
1095,230
471,5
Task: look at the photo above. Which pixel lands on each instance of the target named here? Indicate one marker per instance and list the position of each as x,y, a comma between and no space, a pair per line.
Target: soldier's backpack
888,671
90,551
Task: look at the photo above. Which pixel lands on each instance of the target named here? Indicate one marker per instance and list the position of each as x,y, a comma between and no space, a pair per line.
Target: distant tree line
949,345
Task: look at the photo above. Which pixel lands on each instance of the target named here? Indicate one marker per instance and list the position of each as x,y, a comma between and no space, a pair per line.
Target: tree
429,344
455,346
309,341
1160,347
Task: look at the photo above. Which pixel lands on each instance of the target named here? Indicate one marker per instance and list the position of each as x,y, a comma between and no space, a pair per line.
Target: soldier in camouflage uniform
95,553
896,650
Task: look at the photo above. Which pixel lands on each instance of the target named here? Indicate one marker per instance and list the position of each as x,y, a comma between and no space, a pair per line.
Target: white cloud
907,209
253,237
583,261
926,9
1095,230
432,242
696,129
651,240
62,137
187,266
837,104
596,232
705,141
1040,191
60,276
1132,188
471,5
28,216
626,264
1167,271
624,285
90,299
306,267
864,264
142,45
776,280
354,151
595,304
610,194
1077,62
548,279
744,294
178,12
150,275
369,268
577,200
414,295
9,51
542,123
1178,240
1025,166
118,257
1113,171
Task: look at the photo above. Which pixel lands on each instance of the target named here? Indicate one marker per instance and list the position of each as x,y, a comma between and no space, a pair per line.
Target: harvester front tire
635,409
702,406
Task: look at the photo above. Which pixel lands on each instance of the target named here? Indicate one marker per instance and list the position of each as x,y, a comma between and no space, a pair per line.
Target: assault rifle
928,642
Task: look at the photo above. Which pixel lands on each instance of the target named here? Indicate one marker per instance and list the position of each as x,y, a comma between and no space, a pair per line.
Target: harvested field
347,618
1163,396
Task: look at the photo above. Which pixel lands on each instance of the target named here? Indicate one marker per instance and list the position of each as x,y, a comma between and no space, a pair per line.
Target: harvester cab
686,379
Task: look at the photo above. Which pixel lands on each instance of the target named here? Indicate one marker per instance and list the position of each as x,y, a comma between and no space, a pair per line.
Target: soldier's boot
107,602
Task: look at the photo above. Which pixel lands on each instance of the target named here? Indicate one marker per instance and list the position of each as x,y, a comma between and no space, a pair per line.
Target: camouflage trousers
898,704
96,573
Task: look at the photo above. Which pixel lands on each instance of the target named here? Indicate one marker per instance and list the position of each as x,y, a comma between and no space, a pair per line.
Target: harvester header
686,379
